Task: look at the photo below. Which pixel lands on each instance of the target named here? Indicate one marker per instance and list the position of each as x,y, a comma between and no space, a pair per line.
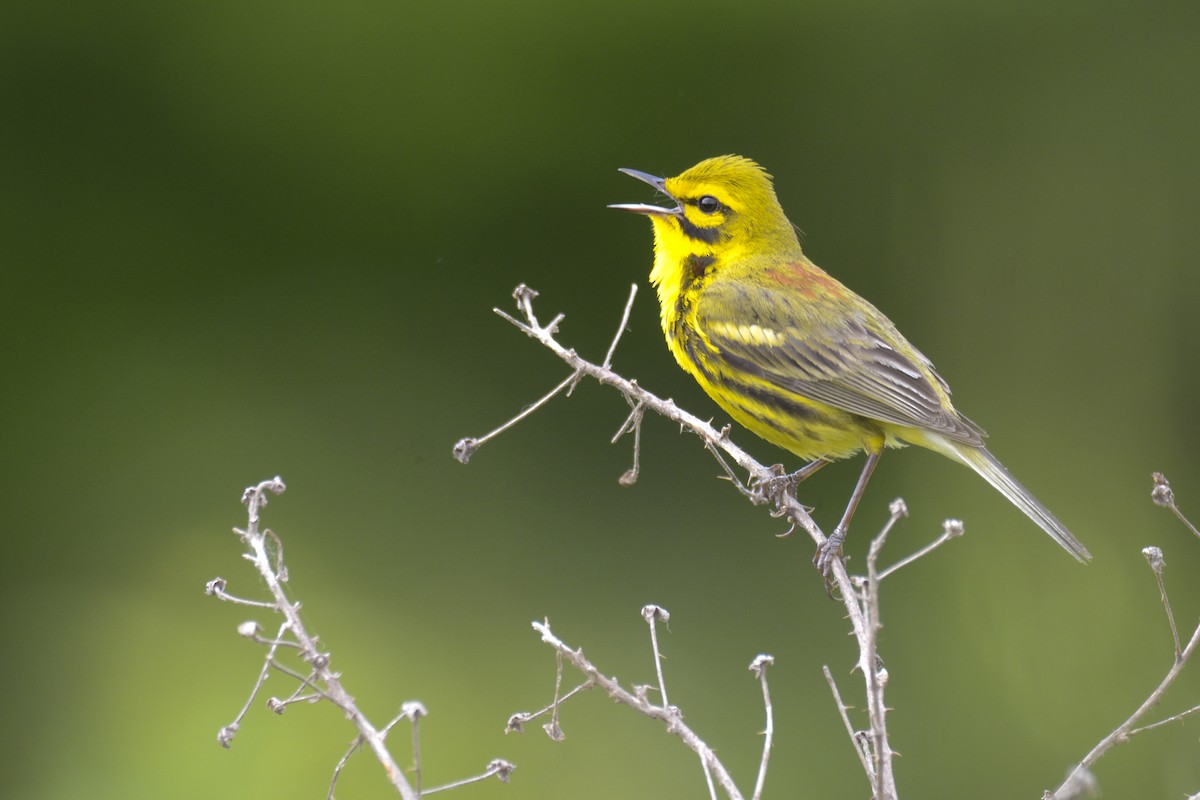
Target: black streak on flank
787,412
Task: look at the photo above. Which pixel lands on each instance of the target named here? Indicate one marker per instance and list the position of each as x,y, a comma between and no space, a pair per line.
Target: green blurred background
243,239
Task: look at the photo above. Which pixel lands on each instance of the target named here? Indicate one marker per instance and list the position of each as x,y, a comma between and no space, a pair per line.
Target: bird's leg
807,470
831,548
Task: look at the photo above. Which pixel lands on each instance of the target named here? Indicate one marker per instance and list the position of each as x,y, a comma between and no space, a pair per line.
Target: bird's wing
854,360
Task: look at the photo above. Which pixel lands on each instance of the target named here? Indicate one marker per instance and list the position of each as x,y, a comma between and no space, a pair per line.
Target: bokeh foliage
246,239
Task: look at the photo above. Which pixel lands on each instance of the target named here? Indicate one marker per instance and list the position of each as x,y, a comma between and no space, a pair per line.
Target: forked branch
314,678
763,485
638,698
1080,782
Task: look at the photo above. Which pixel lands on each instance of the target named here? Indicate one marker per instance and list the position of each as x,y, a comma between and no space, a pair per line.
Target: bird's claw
781,483
828,552
771,488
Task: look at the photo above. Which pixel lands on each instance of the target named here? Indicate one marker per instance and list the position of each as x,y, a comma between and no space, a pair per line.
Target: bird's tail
992,471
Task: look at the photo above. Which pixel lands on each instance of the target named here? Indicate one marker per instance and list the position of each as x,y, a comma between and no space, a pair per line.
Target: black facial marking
693,231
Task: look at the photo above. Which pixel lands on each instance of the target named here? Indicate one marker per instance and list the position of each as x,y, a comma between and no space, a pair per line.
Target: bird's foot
770,489
829,551
782,483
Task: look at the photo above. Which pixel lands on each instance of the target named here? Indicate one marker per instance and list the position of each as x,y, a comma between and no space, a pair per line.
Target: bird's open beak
644,208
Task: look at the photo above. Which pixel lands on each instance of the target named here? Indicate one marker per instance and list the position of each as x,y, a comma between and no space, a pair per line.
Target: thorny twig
1081,781
265,552
715,772
765,485
763,481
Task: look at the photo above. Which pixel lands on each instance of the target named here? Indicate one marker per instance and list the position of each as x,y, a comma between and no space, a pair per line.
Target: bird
792,354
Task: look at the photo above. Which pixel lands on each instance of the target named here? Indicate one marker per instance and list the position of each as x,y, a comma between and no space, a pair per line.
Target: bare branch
216,588
764,485
668,715
517,721
708,778
773,491
552,728
652,614
1163,722
759,667
342,762
1129,728
226,734
1154,557
497,768
861,748
467,447
413,710
265,552
951,529
1080,779
612,348
1164,496
324,681
875,674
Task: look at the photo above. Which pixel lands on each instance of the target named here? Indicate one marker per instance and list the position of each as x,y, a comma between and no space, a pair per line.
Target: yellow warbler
791,353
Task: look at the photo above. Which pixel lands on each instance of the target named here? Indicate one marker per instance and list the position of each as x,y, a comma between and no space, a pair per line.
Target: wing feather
857,362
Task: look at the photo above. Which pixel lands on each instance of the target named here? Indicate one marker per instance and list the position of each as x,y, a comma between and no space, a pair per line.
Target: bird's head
724,206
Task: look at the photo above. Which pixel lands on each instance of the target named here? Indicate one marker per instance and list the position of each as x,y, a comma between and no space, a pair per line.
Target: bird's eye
708,204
